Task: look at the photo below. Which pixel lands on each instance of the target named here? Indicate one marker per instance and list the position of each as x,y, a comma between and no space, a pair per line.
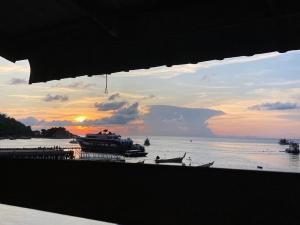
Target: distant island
55,132
10,128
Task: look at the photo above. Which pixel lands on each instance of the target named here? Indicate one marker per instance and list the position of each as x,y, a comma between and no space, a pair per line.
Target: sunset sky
256,96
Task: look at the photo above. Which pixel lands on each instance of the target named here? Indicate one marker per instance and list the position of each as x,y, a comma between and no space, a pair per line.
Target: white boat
108,142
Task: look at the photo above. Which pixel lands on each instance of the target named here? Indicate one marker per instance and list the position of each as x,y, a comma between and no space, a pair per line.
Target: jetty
58,153
46,153
103,157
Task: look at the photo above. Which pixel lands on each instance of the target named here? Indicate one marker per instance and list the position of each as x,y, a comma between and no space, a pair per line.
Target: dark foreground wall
149,194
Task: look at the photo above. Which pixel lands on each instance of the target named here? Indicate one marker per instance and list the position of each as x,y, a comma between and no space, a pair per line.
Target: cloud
122,112
32,121
148,97
162,71
14,81
240,59
205,78
178,121
60,123
124,115
50,98
160,120
275,106
75,85
79,85
137,97
7,67
107,106
173,71
121,116
114,96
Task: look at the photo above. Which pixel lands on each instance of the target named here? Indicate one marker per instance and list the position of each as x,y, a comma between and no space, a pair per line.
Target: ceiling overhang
70,38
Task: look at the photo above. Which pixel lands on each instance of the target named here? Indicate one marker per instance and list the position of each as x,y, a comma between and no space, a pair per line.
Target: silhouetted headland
10,128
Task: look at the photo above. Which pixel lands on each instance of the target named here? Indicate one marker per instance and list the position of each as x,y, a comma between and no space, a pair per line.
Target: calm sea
225,152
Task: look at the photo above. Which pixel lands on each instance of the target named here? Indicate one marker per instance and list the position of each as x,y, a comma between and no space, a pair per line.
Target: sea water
234,153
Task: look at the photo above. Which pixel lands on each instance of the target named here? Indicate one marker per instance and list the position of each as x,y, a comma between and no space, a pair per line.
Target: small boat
284,141
172,160
141,162
24,137
73,141
135,153
147,142
207,165
293,148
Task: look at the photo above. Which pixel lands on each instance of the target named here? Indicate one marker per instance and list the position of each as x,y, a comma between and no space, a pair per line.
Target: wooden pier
104,157
36,153
58,153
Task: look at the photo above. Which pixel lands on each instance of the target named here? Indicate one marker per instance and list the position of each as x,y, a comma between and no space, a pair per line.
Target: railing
58,152
36,153
101,156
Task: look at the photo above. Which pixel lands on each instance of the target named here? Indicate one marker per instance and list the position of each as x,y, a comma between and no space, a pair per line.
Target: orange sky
232,86
261,126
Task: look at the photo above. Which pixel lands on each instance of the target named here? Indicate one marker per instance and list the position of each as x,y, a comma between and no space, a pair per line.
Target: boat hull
292,151
135,154
207,165
174,160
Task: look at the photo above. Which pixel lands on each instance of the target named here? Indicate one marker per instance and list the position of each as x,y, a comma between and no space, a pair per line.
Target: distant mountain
178,121
9,127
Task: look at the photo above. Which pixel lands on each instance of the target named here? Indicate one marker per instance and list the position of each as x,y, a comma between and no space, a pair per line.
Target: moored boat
147,142
24,137
108,142
293,148
135,153
207,165
284,141
171,160
73,141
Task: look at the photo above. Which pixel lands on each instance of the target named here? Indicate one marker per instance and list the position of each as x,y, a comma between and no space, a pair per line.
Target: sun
80,119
